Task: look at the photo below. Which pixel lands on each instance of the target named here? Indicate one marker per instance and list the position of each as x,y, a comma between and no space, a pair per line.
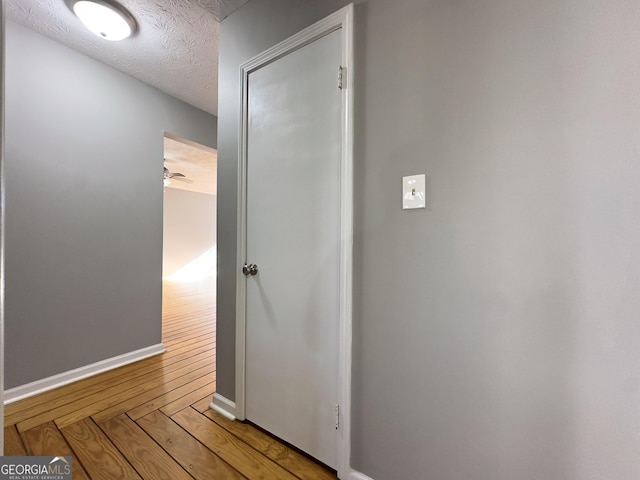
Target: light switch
413,192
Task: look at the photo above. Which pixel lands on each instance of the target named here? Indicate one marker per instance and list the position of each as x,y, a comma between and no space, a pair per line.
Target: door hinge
337,411
340,77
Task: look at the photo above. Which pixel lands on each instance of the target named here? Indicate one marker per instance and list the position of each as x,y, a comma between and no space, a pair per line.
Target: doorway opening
189,232
189,257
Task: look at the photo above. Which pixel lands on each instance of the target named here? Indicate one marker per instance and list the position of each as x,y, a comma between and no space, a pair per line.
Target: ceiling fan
168,176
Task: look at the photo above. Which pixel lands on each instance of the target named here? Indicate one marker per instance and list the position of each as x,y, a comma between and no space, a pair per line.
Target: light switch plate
413,192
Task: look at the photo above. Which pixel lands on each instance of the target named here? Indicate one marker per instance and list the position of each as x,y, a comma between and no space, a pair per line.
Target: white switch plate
413,192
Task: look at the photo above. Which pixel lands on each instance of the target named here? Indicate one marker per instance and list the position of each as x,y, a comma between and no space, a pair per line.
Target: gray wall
496,332
2,42
84,159
189,228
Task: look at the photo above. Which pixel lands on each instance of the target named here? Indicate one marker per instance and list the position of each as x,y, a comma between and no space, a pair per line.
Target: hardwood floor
151,420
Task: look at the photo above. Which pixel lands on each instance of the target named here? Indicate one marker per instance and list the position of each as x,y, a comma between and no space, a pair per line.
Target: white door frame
340,20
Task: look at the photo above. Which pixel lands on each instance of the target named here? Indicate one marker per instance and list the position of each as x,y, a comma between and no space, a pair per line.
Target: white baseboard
55,381
223,406
355,475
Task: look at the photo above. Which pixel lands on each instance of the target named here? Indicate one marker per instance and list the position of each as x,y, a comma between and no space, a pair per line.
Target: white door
293,236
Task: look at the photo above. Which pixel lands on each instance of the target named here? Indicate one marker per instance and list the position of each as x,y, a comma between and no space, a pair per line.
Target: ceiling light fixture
105,18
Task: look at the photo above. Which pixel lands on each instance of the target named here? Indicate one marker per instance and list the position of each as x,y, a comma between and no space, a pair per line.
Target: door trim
340,20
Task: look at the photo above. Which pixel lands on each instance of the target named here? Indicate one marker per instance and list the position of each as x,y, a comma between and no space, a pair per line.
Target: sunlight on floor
202,267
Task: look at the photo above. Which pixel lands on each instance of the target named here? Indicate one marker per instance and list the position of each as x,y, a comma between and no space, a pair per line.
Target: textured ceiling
175,48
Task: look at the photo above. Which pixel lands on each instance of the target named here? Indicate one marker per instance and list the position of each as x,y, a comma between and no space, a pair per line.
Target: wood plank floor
151,420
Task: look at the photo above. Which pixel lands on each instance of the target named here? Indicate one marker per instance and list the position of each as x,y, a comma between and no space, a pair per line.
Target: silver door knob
251,269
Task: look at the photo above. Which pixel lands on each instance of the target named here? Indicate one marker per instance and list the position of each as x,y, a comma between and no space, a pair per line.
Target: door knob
251,269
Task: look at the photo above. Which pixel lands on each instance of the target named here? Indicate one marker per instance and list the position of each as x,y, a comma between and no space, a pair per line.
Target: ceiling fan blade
176,176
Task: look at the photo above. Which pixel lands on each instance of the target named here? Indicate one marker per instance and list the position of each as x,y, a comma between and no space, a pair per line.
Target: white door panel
293,235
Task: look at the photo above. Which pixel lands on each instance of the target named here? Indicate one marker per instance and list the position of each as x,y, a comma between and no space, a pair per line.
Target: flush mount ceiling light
107,19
